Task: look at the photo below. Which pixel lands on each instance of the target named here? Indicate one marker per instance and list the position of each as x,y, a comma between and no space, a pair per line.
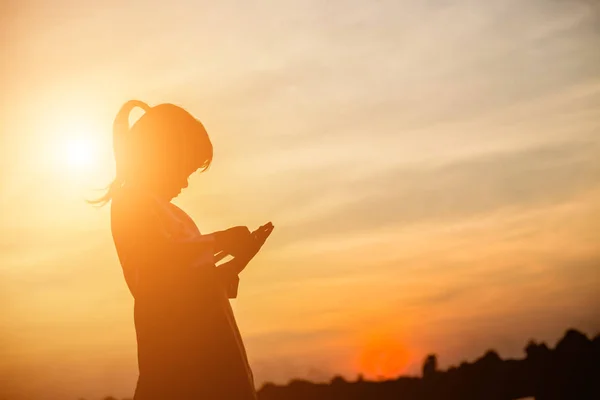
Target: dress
189,345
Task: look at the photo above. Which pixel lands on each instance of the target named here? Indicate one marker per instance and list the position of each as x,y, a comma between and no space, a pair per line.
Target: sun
383,355
71,151
77,147
79,152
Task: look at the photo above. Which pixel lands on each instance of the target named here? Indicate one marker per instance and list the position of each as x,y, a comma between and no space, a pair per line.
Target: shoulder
129,205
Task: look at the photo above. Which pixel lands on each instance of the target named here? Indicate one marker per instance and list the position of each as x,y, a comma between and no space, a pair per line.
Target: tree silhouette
430,366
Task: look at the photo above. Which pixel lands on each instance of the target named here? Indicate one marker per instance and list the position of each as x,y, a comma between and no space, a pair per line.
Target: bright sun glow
74,152
77,145
79,153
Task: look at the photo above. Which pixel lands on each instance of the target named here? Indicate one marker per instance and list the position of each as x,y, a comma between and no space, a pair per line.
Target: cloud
290,341
531,178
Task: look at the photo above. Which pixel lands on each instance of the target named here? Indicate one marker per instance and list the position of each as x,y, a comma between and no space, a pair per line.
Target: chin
169,195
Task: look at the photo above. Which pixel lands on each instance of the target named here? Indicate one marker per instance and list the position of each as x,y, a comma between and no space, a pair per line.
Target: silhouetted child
189,346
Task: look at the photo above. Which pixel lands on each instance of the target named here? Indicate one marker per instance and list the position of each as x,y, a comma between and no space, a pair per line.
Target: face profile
171,180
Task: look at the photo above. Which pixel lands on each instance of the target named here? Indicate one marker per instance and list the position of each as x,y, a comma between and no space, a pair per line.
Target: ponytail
120,132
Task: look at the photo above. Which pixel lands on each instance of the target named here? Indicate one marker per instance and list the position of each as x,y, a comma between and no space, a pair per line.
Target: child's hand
261,234
243,254
243,244
234,238
260,237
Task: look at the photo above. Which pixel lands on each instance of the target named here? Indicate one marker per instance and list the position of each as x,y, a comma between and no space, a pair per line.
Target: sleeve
229,278
231,286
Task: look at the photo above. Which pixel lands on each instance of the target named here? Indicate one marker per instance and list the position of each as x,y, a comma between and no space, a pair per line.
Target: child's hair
165,134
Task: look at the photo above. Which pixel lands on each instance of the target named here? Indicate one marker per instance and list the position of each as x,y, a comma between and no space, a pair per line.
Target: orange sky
433,172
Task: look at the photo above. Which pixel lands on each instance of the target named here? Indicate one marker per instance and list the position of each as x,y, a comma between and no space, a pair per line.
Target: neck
149,189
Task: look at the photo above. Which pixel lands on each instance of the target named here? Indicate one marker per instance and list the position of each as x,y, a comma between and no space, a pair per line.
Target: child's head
160,151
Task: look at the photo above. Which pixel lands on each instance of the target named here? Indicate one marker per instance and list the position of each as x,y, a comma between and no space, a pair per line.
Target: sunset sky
432,169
